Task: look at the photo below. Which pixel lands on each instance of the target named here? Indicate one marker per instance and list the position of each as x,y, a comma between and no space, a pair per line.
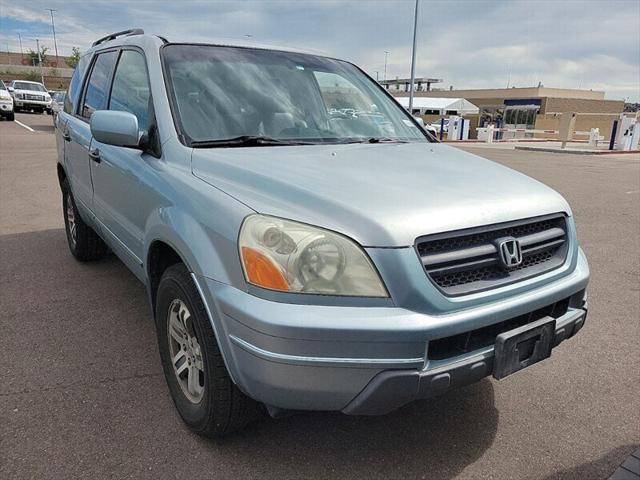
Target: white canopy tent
439,106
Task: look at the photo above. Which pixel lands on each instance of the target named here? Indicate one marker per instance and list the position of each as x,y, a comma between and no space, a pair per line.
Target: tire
11,117
84,243
215,407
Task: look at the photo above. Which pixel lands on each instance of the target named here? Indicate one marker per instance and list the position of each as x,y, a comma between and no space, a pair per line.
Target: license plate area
523,346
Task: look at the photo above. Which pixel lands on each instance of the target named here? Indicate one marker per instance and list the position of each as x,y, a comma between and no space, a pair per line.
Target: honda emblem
510,252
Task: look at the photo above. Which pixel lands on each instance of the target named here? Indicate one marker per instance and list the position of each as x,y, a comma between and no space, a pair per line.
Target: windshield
2,85
58,97
221,93
36,87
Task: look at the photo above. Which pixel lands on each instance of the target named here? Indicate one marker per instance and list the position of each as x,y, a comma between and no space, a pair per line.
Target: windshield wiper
376,140
385,140
245,141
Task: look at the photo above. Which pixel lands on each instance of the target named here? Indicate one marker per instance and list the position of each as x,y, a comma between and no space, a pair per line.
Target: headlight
19,95
293,257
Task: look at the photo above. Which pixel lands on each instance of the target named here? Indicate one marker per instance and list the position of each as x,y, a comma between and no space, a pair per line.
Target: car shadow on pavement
434,439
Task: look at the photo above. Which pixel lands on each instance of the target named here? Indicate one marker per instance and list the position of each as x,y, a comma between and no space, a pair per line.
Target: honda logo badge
510,252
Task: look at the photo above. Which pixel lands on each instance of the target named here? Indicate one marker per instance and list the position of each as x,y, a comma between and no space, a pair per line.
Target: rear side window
71,100
98,86
130,91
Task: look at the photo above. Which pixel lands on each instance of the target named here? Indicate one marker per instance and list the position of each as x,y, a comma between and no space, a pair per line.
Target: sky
588,44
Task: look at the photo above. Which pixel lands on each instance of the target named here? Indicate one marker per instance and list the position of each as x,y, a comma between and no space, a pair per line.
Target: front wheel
11,117
205,396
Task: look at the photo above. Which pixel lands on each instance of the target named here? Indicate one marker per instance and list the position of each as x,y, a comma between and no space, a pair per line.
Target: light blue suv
305,244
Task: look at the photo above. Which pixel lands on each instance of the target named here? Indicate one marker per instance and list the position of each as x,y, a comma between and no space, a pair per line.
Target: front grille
453,346
39,98
468,261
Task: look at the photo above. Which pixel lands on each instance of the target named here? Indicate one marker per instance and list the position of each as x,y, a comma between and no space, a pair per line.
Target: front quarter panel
200,222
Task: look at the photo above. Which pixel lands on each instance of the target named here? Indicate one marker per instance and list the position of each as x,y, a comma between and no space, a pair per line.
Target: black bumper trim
392,389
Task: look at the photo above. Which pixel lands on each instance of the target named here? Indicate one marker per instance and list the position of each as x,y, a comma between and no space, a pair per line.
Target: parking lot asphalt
82,393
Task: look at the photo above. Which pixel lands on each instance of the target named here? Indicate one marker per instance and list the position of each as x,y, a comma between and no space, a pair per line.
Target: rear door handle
94,155
66,137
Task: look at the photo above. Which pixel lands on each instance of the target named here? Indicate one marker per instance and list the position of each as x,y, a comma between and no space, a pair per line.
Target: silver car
304,243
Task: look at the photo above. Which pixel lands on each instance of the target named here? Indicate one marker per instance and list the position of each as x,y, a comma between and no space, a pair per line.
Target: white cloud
470,44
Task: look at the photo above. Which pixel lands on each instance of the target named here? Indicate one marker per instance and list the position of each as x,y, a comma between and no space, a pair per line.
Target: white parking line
25,126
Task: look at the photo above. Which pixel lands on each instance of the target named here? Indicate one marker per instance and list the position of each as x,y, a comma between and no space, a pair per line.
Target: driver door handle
94,154
66,137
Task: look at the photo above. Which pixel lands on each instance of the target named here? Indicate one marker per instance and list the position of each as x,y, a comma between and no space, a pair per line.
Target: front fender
205,250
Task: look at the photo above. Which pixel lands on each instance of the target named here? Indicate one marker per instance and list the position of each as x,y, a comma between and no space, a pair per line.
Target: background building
536,107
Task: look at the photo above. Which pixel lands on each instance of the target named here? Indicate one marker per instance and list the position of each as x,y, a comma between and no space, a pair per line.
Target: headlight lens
293,257
19,95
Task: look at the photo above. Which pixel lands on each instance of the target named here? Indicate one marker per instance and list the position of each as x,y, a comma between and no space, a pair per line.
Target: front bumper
362,360
6,107
392,389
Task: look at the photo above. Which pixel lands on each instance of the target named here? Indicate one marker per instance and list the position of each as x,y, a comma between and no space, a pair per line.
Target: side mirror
420,121
10,89
116,128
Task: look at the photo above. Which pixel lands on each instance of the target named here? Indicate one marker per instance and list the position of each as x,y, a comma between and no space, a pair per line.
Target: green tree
33,56
74,58
33,76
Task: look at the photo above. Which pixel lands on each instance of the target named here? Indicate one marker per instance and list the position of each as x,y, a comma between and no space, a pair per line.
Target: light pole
40,60
53,26
20,39
386,54
413,57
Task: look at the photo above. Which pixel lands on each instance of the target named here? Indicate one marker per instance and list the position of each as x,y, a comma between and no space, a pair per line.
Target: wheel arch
160,256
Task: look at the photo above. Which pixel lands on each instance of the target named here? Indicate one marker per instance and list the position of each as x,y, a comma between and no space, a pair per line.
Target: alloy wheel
185,351
71,220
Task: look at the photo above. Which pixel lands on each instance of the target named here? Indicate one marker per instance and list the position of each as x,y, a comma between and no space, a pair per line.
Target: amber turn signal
261,271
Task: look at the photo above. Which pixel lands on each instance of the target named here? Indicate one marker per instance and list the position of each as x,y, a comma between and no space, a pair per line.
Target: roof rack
113,36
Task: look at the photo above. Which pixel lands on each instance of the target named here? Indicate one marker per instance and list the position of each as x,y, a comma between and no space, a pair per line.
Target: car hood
383,195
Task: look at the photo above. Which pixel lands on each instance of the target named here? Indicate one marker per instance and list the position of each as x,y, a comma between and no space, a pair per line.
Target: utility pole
53,26
20,39
413,57
377,79
386,54
40,60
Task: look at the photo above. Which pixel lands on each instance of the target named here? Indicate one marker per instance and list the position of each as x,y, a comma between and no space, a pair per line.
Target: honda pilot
305,244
